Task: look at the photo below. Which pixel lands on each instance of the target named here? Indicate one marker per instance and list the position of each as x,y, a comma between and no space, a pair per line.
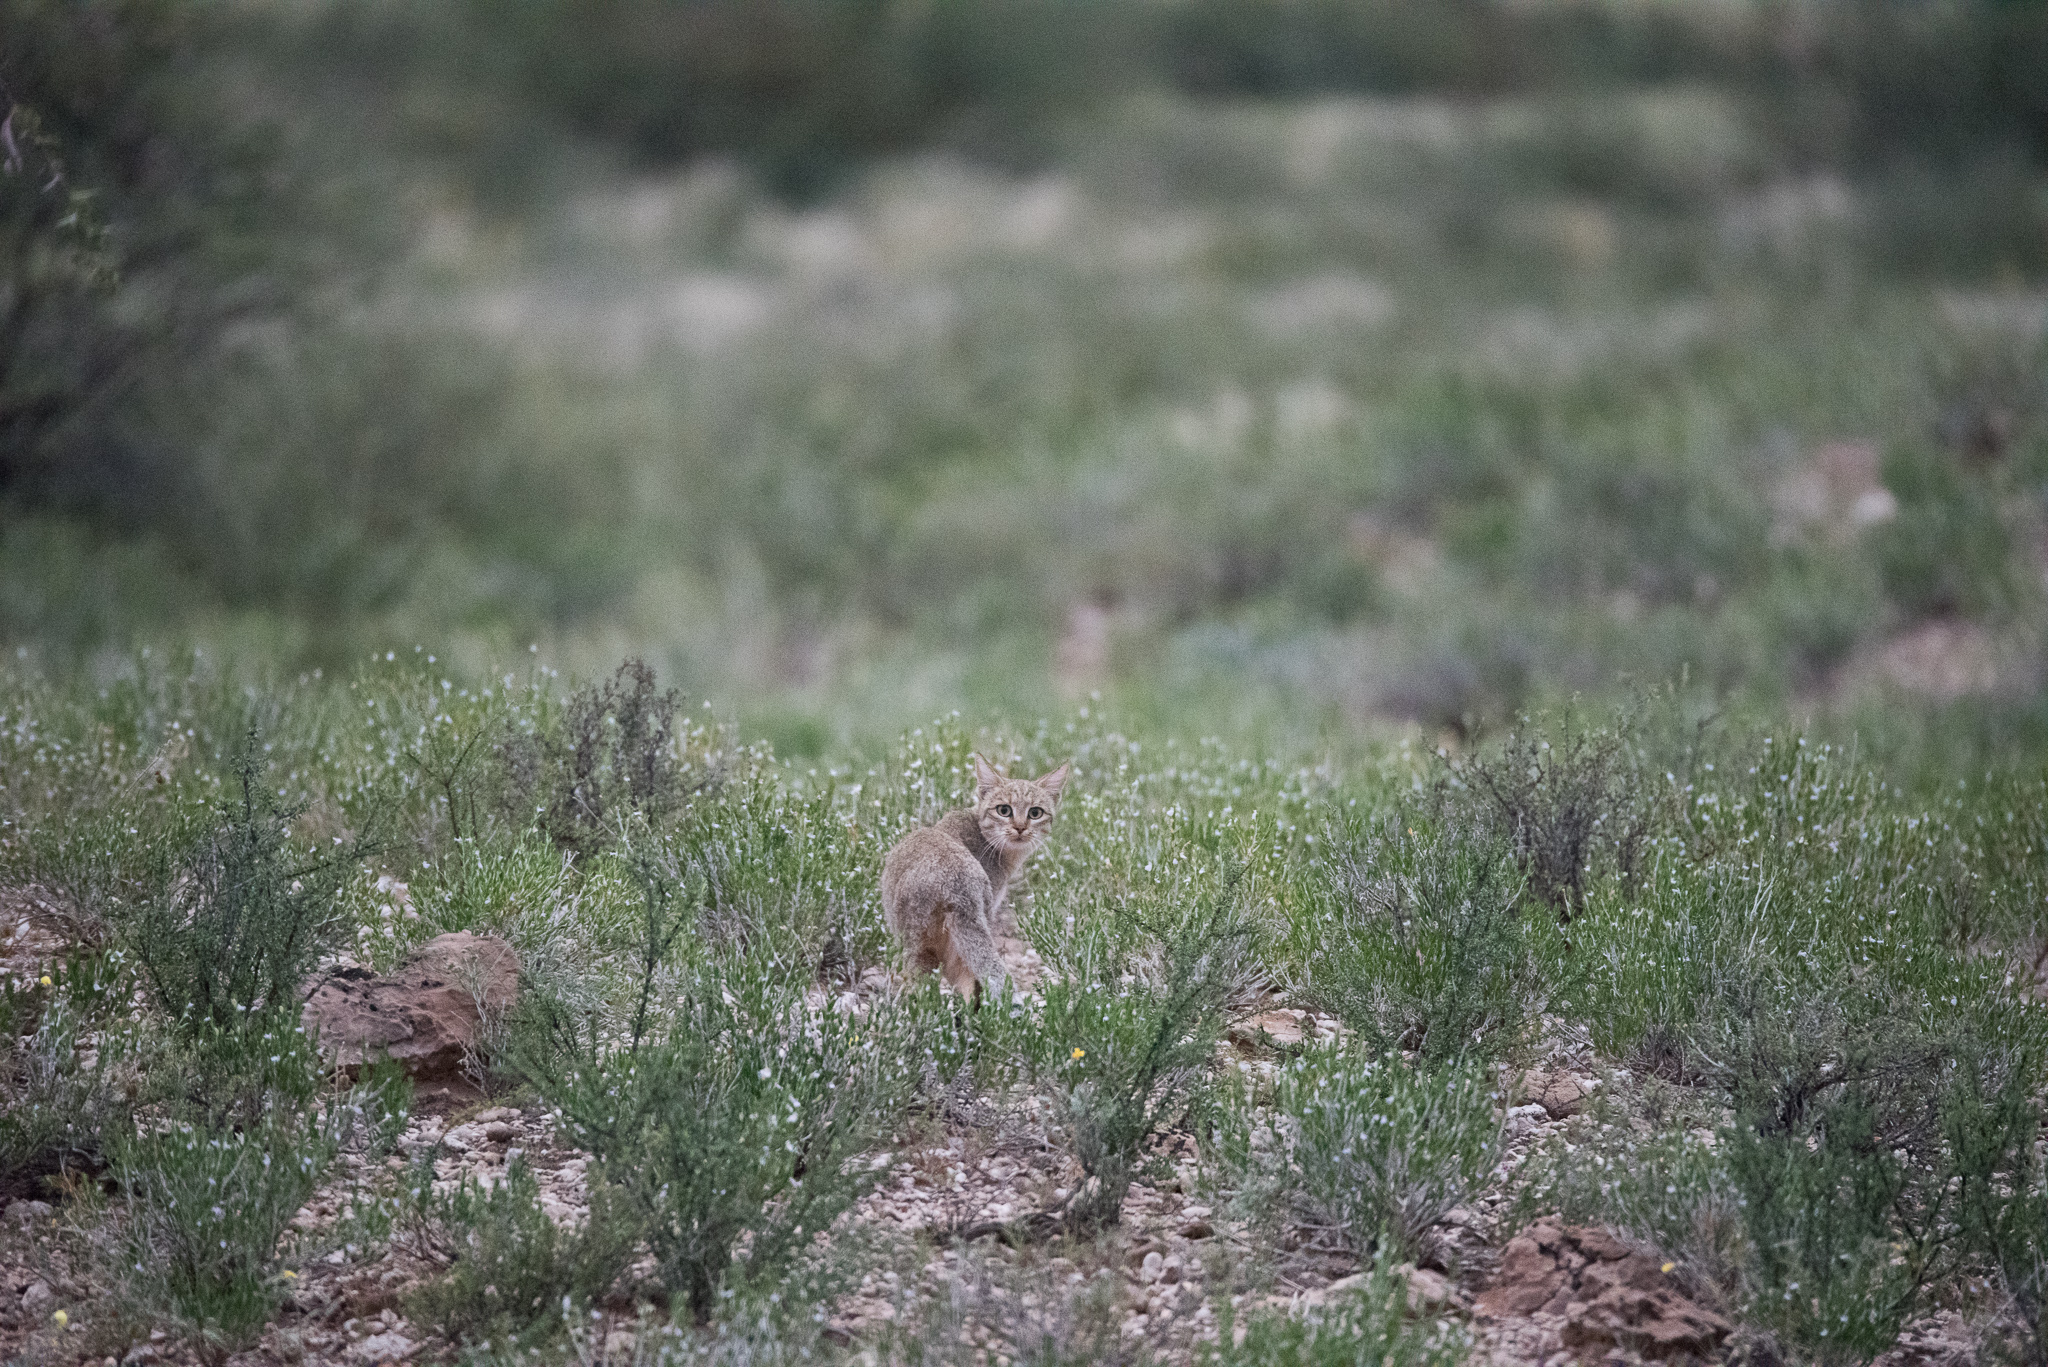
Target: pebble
385,1347
29,1213
37,1301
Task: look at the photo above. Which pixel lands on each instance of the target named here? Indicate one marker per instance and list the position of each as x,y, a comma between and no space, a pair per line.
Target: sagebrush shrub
201,1214
989,1305
1570,808
513,1272
1819,1209
723,1107
1371,1151
1991,1125
237,917
1423,947
616,756
211,1184
1124,1048
1670,1190
58,1102
1368,1327
1782,1047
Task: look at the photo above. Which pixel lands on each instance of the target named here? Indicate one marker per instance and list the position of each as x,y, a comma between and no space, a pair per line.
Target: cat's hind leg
960,975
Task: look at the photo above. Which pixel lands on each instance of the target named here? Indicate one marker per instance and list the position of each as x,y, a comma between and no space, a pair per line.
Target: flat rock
1561,1094
1608,1295
423,1015
1283,1027
1430,1292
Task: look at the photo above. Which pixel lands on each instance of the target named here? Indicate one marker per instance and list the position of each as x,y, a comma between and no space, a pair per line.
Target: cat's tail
972,962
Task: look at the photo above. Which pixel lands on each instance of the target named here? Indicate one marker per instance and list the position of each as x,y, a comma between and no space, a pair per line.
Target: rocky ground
1548,1294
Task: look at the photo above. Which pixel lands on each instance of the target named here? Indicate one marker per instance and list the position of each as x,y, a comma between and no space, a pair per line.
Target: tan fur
943,885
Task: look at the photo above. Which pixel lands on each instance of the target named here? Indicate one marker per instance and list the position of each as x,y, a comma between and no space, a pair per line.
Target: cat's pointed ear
985,776
1056,780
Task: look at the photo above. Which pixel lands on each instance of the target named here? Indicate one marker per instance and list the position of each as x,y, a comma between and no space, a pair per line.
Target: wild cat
943,885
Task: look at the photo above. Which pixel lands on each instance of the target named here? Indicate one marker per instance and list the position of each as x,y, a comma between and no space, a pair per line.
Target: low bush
1367,1152
1873,1153
1670,1190
514,1274
59,1098
993,1306
725,1111
235,920
1819,1206
620,755
1571,808
1422,946
1126,1047
201,1212
1369,1325
229,1154
1991,1127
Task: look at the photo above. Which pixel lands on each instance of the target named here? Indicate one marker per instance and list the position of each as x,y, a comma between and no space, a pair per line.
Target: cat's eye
1002,809
1037,812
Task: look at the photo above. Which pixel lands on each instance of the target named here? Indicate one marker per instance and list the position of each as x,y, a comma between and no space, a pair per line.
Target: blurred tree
148,222
55,245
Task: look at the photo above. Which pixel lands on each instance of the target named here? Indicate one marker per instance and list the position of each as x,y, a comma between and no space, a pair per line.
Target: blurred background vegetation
854,359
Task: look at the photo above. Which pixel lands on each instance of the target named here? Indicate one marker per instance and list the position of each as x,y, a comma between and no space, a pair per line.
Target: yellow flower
287,1273
61,1318
46,980
1667,1267
1080,1053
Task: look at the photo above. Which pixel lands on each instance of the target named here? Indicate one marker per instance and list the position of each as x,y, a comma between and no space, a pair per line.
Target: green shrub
1819,1210
201,1214
1672,1190
724,1109
1370,1151
1368,1327
1421,946
239,1130
1127,1046
236,920
990,1305
515,1273
58,1101
1991,1127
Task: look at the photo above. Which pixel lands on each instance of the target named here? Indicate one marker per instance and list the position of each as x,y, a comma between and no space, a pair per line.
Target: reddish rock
424,1014
1608,1295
